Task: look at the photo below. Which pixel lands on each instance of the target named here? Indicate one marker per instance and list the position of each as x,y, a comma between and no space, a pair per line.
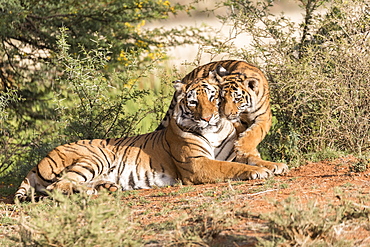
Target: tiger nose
207,119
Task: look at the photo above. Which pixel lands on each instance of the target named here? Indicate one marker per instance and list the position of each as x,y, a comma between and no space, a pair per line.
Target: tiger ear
221,71
216,75
178,85
212,76
252,83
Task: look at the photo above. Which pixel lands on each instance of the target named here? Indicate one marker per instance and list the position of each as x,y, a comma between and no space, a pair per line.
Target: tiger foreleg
203,170
276,168
247,153
253,158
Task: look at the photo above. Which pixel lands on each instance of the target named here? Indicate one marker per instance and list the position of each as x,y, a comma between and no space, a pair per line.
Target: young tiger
239,92
193,148
245,102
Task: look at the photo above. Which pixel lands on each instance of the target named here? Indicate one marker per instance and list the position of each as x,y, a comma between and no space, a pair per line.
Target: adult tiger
184,151
245,102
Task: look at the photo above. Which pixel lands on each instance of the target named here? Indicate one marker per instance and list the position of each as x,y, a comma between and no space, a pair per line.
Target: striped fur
245,102
196,147
232,66
247,106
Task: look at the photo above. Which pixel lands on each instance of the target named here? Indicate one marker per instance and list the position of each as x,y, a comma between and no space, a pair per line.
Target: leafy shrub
87,102
85,85
92,104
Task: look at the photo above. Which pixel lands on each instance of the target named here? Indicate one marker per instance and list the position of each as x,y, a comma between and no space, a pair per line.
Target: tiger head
239,94
197,109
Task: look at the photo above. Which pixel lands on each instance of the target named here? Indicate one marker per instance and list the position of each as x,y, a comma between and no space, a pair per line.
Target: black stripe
224,142
39,174
138,157
96,158
105,157
150,163
62,155
232,152
91,160
52,162
259,108
160,127
170,154
159,138
230,64
89,168
149,137
221,128
126,154
131,180
162,168
79,173
51,167
134,140
119,142
71,147
179,161
263,133
74,150
201,148
196,157
147,181
257,116
183,168
121,168
156,138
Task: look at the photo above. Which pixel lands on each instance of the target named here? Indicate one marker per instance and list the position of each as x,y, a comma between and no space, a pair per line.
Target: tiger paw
63,186
280,168
113,187
254,172
276,168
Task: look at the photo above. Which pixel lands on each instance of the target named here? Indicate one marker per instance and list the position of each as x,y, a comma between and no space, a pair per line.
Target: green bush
85,83
92,104
87,102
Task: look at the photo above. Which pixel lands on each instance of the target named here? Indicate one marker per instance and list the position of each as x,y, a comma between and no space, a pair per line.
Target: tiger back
187,151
